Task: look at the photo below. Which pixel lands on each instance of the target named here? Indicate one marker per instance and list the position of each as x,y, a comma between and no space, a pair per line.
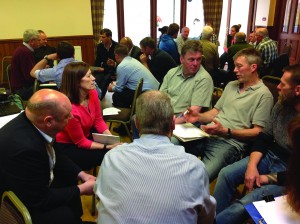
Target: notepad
188,132
106,139
110,111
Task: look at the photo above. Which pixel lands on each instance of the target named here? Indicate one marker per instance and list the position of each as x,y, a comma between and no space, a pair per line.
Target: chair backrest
12,210
137,92
6,60
7,72
272,82
217,93
278,65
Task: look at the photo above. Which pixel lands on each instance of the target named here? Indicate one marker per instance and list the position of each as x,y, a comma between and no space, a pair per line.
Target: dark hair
191,45
106,31
173,29
293,171
295,73
237,27
121,50
163,29
148,42
71,78
65,50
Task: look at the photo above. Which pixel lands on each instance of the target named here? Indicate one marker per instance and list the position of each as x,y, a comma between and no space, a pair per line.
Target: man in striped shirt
151,180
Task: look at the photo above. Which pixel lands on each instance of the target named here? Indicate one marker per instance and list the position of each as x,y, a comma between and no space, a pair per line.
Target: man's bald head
127,41
47,107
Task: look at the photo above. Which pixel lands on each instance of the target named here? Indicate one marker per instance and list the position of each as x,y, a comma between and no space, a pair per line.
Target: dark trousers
102,81
70,212
223,60
25,93
86,159
123,99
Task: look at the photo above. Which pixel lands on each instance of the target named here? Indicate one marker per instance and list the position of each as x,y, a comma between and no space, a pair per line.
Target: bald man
134,51
45,181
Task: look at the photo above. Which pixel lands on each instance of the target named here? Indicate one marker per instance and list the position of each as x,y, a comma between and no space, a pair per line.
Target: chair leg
93,212
128,132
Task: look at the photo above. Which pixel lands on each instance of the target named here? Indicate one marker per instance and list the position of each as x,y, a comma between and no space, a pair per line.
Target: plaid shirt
268,49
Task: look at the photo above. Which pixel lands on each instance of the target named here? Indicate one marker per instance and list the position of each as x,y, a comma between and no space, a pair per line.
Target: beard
289,99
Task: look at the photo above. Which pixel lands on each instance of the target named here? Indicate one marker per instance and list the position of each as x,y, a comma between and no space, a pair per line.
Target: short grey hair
30,34
154,113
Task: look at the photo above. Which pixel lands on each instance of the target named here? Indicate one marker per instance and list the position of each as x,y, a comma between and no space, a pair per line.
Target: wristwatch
46,57
228,133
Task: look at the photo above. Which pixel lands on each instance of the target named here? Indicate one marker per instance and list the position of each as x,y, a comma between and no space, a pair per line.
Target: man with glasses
237,118
22,63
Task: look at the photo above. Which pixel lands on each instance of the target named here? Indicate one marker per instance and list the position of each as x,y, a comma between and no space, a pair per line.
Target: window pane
168,11
296,23
137,19
110,18
194,18
286,16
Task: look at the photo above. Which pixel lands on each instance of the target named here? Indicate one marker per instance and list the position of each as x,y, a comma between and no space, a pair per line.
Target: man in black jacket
45,181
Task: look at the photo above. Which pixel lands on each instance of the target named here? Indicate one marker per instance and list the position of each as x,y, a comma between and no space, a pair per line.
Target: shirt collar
27,45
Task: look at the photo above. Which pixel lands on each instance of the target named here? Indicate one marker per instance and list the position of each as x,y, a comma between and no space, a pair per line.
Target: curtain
97,9
213,13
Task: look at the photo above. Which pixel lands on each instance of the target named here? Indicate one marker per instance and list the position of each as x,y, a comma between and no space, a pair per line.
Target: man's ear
253,67
136,123
297,90
48,121
173,123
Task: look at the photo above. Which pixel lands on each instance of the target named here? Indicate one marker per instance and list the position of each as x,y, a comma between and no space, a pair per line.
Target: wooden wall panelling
87,43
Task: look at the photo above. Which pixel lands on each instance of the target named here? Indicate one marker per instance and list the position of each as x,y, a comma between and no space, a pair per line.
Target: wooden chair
124,117
272,82
7,72
6,60
279,64
217,93
12,210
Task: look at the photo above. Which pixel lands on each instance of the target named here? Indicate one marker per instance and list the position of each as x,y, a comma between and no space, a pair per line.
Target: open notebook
188,132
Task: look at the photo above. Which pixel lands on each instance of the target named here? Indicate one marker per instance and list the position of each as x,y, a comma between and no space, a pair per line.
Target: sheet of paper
188,132
277,212
110,111
4,120
106,139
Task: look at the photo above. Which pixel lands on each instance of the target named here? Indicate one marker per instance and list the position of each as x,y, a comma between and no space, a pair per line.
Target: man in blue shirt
129,72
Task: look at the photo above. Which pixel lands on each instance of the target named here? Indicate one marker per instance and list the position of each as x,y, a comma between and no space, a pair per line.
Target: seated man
153,180
129,72
21,64
43,179
156,60
134,51
239,115
188,85
262,171
65,55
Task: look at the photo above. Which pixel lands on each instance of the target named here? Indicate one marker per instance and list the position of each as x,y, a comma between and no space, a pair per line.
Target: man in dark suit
45,181
134,51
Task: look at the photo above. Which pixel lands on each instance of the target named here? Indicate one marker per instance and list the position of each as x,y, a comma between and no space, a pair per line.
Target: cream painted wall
56,18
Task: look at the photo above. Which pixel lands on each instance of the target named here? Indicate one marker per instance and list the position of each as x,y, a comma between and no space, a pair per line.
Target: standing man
168,44
156,60
252,39
134,51
45,181
267,47
263,171
182,38
22,63
237,118
140,174
129,72
105,60
44,49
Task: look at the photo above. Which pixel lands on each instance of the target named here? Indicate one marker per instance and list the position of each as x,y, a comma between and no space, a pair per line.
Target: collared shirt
153,181
184,92
53,74
28,46
242,110
129,72
268,49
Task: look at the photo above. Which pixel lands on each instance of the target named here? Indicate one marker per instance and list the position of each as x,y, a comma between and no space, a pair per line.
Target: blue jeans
215,153
232,176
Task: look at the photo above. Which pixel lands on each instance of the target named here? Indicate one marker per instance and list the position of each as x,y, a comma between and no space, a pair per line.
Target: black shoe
120,130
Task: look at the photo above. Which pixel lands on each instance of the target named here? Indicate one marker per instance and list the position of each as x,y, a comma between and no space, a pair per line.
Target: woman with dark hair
228,42
75,140
293,172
